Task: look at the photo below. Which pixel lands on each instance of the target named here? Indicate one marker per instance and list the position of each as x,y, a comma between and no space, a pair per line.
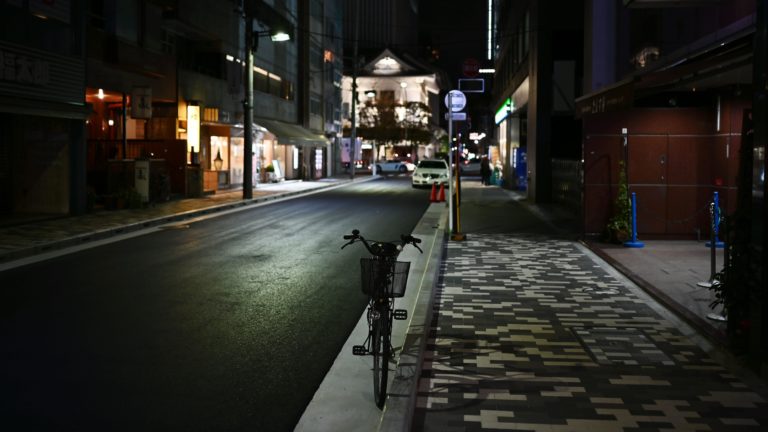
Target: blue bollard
634,243
715,217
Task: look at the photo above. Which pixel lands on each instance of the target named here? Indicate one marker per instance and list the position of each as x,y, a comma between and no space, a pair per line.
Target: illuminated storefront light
193,131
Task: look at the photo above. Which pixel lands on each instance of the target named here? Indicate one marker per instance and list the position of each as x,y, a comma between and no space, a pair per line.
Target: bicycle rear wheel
380,347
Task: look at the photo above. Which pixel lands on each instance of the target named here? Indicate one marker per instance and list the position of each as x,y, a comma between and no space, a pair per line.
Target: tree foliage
618,229
392,123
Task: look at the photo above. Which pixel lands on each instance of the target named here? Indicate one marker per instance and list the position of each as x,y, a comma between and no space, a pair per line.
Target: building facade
537,57
42,108
398,95
103,101
674,92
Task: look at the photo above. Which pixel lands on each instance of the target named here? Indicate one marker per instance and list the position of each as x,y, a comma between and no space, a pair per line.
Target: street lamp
277,34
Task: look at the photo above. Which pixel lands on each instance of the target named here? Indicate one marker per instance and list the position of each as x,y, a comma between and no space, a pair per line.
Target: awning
17,105
612,98
292,134
723,62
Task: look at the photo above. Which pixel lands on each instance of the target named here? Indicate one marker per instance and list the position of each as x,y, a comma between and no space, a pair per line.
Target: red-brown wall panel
651,210
689,160
647,159
598,205
601,159
688,211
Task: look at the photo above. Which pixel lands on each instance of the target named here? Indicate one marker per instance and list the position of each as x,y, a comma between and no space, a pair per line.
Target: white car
394,166
429,172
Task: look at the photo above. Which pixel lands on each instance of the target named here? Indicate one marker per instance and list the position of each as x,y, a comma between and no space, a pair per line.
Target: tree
392,123
617,230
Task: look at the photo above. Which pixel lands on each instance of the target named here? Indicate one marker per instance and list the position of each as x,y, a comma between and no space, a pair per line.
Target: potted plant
129,198
270,169
618,228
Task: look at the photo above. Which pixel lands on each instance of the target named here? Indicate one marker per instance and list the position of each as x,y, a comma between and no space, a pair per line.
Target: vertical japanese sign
141,102
193,132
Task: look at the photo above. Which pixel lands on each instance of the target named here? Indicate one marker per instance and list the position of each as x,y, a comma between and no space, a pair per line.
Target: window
275,85
345,109
386,97
168,42
286,90
315,107
260,80
127,22
219,149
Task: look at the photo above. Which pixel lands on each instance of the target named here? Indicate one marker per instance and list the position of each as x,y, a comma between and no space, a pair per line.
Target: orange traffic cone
433,195
441,195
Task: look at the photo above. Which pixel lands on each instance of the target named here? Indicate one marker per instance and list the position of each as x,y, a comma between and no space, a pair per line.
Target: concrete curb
176,217
344,400
398,412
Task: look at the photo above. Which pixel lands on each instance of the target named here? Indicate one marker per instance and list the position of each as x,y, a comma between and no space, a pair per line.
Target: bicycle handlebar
354,235
380,248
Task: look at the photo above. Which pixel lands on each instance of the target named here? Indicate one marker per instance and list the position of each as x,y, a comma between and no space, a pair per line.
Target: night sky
457,29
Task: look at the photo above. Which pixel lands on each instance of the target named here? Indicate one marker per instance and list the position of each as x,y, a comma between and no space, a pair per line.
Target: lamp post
353,132
251,45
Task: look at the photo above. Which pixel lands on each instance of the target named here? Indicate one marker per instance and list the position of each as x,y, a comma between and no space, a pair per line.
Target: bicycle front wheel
380,346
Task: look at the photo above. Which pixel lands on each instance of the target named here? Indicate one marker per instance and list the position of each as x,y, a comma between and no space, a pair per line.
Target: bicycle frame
386,284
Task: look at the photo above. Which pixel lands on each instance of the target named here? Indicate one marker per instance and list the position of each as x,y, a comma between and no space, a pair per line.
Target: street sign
470,68
141,102
472,85
456,116
457,100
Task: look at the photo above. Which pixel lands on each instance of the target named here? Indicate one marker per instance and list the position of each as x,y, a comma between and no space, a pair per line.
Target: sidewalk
21,240
531,330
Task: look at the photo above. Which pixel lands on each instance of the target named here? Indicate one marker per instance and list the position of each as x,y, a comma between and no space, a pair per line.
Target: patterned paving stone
531,334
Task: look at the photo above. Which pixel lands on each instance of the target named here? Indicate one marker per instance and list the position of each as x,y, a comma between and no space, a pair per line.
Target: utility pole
353,133
248,112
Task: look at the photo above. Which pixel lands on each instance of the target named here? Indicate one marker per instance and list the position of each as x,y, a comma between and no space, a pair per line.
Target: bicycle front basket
393,280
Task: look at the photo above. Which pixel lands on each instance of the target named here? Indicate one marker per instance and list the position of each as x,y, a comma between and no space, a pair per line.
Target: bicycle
383,279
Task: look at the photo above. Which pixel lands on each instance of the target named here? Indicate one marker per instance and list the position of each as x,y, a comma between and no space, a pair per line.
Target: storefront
511,153
679,137
42,114
295,151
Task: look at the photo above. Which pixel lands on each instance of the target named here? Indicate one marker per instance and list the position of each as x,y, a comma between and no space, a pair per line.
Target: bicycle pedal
401,314
359,350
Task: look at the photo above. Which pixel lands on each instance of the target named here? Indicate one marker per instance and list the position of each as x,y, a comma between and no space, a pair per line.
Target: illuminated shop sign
193,131
504,110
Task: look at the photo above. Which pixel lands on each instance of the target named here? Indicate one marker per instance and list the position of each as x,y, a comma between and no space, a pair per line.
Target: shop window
219,150
318,162
211,115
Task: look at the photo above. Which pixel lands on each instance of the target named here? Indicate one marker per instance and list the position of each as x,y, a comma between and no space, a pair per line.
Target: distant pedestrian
485,171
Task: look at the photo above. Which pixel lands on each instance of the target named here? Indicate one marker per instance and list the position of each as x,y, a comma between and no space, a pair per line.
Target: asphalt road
229,323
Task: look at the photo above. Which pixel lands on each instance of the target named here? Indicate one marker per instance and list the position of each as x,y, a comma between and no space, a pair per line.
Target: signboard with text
455,100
